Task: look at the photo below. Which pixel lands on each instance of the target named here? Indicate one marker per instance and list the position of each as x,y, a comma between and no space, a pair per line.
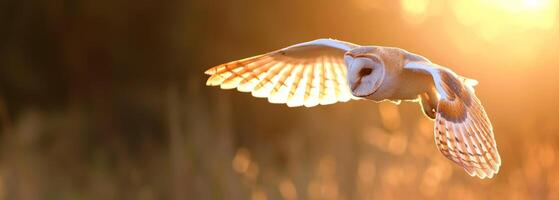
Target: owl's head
365,72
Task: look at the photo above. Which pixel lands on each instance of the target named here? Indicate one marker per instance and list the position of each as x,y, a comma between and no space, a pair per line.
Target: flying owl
326,71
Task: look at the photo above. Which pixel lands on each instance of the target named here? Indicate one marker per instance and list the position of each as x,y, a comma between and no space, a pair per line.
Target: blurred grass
106,100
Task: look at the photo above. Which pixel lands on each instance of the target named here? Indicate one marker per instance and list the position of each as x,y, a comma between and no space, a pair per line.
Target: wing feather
254,75
467,142
308,74
277,95
343,87
329,84
463,132
263,88
319,82
311,97
293,97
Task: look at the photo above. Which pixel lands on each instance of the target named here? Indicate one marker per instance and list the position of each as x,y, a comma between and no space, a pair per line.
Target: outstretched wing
308,74
463,132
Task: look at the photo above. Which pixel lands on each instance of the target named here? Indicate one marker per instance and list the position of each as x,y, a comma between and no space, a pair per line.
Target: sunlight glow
324,185
415,7
415,11
287,190
241,161
514,28
389,115
505,14
535,4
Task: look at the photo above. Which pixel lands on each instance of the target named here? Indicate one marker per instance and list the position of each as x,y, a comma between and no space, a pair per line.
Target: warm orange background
107,100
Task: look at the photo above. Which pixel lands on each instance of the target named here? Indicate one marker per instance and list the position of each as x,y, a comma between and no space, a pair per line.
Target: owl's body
326,71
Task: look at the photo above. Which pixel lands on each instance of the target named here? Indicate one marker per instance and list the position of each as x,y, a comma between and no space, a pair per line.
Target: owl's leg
428,104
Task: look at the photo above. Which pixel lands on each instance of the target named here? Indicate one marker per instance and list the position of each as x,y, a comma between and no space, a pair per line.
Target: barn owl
326,71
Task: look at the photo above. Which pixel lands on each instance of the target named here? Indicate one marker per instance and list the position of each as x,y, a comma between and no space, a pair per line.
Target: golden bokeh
287,190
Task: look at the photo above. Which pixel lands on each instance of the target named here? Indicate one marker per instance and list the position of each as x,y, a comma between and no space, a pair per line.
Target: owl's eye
365,71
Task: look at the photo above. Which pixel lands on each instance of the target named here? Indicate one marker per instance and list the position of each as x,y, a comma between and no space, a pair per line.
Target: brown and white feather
463,132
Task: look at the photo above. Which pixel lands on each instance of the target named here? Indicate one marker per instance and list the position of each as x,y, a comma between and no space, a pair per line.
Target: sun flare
524,27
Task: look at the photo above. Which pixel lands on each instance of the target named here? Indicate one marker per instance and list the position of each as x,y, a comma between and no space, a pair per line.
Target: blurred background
107,100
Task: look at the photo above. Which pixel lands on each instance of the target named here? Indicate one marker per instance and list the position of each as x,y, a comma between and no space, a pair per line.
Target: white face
365,74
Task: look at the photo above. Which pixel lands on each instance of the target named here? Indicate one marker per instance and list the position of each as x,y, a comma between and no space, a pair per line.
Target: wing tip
227,86
211,81
487,168
482,174
211,71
